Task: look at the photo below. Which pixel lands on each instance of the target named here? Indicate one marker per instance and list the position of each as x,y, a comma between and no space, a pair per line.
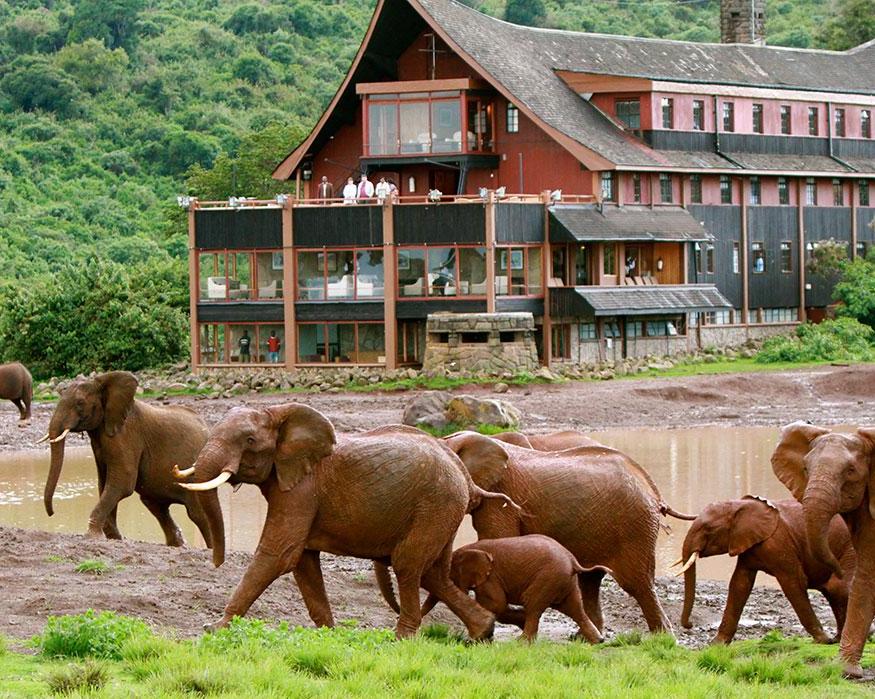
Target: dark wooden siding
351,310
853,148
325,226
251,312
865,232
440,223
724,223
413,310
772,225
822,223
680,140
519,223
778,145
244,228
533,306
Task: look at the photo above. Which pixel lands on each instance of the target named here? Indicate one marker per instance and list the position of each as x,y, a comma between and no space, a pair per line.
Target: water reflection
692,468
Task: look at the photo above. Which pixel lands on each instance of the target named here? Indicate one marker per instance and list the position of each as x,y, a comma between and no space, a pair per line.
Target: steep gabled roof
521,63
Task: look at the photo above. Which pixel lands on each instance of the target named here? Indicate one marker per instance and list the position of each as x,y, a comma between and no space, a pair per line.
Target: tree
92,65
114,22
531,13
33,82
853,24
856,291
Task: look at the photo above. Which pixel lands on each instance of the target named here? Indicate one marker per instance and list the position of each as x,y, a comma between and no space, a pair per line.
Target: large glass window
269,273
341,343
213,280
441,271
241,343
411,272
211,343
382,128
518,272
240,276
446,126
337,275
415,130
629,112
472,271
419,122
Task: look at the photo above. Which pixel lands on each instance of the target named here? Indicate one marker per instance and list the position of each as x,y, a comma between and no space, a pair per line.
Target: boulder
468,411
423,404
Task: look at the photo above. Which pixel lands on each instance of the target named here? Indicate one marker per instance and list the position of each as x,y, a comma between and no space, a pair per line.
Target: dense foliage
110,108
856,290
843,339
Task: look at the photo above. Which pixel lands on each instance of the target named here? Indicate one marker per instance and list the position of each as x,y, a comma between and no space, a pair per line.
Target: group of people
273,344
361,192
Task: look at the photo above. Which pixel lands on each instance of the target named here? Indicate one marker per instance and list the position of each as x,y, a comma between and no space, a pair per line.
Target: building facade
637,196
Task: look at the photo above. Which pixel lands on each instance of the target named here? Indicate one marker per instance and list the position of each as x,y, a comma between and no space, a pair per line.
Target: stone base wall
480,342
734,335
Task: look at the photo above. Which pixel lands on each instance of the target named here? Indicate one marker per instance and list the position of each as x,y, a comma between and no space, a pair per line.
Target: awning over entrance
598,301
633,223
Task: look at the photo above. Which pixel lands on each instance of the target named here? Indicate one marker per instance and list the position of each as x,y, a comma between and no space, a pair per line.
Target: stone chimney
743,22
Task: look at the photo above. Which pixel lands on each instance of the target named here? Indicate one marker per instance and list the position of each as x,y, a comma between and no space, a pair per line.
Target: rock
469,411
436,421
546,374
176,386
426,403
500,387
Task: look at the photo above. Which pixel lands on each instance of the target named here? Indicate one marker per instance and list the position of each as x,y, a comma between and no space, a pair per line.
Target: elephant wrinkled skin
595,501
135,447
393,495
832,473
532,571
768,537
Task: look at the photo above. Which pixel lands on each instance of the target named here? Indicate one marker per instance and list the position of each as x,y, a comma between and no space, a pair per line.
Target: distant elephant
135,446
393,495
534,571
595,501
832,473
16,385
554,441
769,537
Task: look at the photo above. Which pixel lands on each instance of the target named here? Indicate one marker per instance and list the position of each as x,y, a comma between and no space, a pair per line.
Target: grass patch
455,427
89,635
444,383
91,567
254,658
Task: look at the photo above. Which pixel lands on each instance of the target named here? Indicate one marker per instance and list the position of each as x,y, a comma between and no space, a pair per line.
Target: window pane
629,113
213,284
441,272
311,343
212,344
339,265
812,121
696,189
786,257
472,271
698,115
240,276
610,259
269,270
581,266
242,343
411,272
341,343
586,331
783,191
415,134
382,128
758,258
273,343
311,281
536,285
369,274
371,343
446,123
785,119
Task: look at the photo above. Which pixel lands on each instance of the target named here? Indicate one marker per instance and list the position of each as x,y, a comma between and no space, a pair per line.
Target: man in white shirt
349,191
365,188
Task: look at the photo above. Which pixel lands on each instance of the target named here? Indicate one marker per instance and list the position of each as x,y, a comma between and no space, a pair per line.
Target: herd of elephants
554,513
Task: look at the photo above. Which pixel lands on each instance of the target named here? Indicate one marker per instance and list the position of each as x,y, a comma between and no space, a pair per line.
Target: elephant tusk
184,473
677,562
42,439
208,485
690,561
60,437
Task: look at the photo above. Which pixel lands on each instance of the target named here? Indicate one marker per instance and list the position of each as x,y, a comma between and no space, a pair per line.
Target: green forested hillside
110,108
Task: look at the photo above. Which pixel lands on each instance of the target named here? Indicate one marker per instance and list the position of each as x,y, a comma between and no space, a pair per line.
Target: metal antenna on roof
434,51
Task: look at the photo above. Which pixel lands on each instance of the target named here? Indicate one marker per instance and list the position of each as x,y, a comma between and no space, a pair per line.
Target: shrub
89,635
844,339
32,82
89,677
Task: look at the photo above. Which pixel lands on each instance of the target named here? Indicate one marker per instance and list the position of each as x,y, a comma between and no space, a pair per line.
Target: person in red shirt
273,348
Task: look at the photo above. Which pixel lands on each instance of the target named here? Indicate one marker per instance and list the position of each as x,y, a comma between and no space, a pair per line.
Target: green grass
256,659
724,366
453,427
90,567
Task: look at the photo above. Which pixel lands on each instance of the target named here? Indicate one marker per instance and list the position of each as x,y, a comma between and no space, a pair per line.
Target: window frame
526,248
757,246
429,294
257,340
325,251
783,191
327,345
512,118
627,102
698,115
865,123
786,250
838,192
728,120
230,273
756,115
755,191
666,106
810,191
863,187
813,121
666,187
725,189
786,119
839,122
695,189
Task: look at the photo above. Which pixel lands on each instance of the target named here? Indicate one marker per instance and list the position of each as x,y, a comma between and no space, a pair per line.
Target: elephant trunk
820,505
57,437
689,595
213,511
213,461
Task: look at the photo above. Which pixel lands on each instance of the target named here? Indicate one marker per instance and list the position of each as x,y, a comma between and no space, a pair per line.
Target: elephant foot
484,631
24,422
581,636
852,671
824,640
216,625
720,641
94,534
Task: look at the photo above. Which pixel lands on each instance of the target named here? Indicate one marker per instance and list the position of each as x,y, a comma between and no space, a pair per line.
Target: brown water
692,468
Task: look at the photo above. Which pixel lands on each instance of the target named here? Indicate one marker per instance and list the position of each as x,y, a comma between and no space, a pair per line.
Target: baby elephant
534,571
768,537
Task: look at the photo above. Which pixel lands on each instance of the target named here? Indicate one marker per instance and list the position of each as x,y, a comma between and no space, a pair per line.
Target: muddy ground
178,589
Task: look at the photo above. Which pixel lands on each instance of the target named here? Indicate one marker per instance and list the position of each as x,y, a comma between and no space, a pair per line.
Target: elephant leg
110,528
161,512
286,528
515,616
106,505
590,591
24,413
572,606
642,590
836,593
533,621
740,586
861,608
797,593
479,622
308,575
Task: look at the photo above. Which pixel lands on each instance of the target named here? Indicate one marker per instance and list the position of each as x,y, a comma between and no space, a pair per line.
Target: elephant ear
304,438
485,458
867,435
787,459
473,567
753,521
119,389
516,438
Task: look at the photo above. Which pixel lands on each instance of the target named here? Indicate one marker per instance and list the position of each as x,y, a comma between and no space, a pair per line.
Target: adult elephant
832,473
594,500
16,385
135,446
553,441
770,537
393,495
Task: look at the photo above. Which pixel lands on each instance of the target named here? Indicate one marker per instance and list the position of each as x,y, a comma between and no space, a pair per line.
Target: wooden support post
193,288
289,291
546,272
800,238
745,267
490,251
854,230
390,266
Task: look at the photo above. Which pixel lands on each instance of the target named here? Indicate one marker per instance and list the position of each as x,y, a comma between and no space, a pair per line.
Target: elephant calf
16,385
769,537
534,571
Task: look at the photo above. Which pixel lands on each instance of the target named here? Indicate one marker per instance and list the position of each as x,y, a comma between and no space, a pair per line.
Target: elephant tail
478,495
384,582
429,604
665,509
